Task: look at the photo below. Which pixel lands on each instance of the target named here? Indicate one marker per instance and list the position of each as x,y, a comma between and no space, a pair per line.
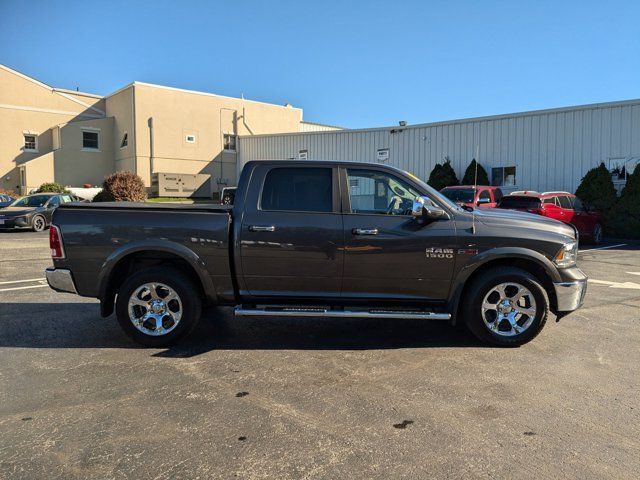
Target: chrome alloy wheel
39,224
508,309
155,309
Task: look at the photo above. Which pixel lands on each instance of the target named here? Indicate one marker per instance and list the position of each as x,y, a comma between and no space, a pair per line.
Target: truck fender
107,295
491,255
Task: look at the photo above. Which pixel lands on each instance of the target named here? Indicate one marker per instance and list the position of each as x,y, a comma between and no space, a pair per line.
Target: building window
229,142
30,143
503,176
303,154
190,138
90,140
125,140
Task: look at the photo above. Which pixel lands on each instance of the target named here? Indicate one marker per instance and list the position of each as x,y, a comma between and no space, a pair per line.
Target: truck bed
97,234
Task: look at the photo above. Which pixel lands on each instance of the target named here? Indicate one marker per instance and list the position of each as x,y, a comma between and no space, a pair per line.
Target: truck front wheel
158,306
506,306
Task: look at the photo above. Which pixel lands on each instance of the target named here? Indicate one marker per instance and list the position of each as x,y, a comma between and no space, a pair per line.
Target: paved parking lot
311,398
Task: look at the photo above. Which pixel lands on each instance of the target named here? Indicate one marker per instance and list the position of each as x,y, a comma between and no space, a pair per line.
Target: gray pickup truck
319,239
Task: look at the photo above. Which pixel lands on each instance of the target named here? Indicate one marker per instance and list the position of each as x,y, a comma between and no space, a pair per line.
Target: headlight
567,255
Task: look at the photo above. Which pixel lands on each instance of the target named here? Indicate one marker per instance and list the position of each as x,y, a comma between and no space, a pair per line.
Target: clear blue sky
354,64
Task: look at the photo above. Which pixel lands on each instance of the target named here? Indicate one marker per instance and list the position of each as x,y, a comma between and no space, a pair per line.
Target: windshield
514,201
33,201
463,195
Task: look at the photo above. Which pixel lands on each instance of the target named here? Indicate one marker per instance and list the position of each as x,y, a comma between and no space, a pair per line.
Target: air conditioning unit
182,185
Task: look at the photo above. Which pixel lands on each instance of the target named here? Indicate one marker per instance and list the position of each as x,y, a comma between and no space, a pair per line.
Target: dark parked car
33,211
562,206
319,239
5,200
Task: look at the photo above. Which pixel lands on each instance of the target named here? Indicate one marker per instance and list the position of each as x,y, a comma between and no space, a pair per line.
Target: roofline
121,89
590,106
322,124
60,91
26,77
196,92
76,92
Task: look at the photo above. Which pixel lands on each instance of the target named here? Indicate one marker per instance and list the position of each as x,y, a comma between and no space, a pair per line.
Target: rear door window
298,190
565,202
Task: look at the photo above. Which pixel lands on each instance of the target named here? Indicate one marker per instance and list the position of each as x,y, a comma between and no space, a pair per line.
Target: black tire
38,223
482,285
189,296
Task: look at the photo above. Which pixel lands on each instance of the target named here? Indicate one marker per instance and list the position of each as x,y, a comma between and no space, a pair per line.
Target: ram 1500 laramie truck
320,239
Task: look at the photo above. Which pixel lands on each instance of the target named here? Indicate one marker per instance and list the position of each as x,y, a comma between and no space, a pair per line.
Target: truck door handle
365,231
262,228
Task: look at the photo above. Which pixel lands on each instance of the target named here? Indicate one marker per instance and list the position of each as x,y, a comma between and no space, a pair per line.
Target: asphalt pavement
316,398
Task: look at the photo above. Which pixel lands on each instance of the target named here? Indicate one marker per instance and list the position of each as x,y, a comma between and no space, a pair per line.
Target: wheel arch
528,260
123,262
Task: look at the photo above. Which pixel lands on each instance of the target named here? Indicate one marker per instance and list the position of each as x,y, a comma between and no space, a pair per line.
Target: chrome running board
241,311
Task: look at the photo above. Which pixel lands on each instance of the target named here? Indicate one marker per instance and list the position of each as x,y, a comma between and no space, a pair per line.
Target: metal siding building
551,149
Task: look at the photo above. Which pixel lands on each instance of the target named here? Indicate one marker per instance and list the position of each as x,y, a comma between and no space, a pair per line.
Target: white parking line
23,281
634,273
21,288
635,286
604,248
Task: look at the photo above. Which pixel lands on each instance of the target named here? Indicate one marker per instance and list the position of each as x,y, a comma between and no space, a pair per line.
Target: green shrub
623,219
596,189
470,175
52,187
122,187
442,176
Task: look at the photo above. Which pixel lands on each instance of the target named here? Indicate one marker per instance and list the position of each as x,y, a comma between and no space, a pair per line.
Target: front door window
373,192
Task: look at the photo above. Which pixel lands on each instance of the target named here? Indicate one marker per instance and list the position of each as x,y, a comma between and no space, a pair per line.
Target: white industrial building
540,150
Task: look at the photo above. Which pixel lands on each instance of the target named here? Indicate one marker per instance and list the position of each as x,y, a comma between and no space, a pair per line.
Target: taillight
55,243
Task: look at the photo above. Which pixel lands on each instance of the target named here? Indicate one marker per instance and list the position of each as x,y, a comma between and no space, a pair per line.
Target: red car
563,206
484,197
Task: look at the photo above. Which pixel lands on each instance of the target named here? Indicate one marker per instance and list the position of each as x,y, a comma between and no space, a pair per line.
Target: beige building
74,138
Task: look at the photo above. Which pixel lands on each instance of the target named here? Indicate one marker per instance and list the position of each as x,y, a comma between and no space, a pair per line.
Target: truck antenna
475,185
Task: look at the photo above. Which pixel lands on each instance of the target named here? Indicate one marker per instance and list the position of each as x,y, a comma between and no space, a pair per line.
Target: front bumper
570,295
61,280
7,223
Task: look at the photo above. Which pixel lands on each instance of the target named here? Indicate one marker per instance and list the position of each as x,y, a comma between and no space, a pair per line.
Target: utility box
183,185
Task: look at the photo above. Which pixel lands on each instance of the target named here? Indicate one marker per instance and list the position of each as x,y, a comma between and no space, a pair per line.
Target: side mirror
422,208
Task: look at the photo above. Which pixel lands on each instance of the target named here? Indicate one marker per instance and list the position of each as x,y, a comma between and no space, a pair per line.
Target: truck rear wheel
158,306
506,307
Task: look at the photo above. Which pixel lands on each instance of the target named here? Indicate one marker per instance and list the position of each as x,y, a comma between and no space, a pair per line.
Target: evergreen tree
470,175
442,176
624,218
596,189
